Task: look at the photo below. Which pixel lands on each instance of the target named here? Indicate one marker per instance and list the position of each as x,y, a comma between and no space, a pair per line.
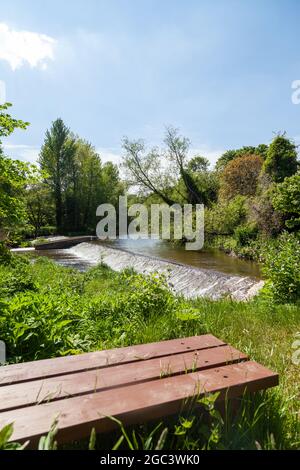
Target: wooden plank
33,370
135,403
55,388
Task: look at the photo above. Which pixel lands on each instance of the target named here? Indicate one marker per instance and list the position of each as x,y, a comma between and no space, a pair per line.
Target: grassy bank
49,311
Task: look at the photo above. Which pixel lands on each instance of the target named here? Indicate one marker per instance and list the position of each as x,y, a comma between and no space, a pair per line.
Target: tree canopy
281,160
241,176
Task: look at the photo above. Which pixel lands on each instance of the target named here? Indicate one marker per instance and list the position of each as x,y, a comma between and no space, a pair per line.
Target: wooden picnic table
134,384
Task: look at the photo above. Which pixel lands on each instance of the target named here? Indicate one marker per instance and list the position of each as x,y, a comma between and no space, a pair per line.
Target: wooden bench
133,384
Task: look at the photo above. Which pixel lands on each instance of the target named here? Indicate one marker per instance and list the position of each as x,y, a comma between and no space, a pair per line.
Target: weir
182,279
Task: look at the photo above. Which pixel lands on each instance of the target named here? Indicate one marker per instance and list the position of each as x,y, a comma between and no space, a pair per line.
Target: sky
221,71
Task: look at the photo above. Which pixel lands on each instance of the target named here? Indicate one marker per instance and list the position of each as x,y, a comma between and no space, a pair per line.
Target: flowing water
192,274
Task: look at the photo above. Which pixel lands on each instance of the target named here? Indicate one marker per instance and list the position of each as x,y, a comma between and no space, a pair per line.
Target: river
205,259
208,273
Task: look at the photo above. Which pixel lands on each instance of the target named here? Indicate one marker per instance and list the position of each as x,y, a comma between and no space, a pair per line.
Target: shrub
5,254
47,230
286,198
35,326
244,234
15,280
269,221
224,217
281,267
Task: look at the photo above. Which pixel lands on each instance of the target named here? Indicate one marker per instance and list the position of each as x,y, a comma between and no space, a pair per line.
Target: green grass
49,311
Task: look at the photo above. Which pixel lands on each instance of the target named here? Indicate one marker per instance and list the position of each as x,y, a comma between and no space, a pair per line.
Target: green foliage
224,217
244,234
48,442
286,199
9,124
39,208
14,176
5,435
77,181
5,254
281,268
198,164
14,280
281,159
56,159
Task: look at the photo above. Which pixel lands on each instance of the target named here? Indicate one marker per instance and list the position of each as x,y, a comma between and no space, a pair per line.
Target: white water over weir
182,279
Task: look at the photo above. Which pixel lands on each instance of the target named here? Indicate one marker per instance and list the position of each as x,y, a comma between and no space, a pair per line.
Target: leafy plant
281,268
245,233
286,199
5,435
281,158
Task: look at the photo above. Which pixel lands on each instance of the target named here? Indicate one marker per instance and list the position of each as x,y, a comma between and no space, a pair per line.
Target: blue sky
219,70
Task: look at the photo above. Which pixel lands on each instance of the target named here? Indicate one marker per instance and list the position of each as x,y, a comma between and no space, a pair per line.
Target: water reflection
207,259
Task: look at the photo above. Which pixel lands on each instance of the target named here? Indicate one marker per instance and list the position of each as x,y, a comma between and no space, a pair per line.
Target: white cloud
26,153
110,155
21,47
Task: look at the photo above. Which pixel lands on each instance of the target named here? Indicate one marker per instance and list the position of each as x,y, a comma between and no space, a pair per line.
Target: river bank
191,274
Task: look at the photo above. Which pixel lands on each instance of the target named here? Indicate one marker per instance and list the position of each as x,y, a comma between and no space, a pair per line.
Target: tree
56,159
111,183
39,206
198,164
286,199
205,181
281,159
230,155
87,190
144,170
177,153
165,172
241,176
7,123
13,178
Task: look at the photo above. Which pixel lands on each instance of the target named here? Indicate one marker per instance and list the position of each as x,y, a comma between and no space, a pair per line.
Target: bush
244,234
5,254
281,267
15,280
47,230
224,217
286,198
269,221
